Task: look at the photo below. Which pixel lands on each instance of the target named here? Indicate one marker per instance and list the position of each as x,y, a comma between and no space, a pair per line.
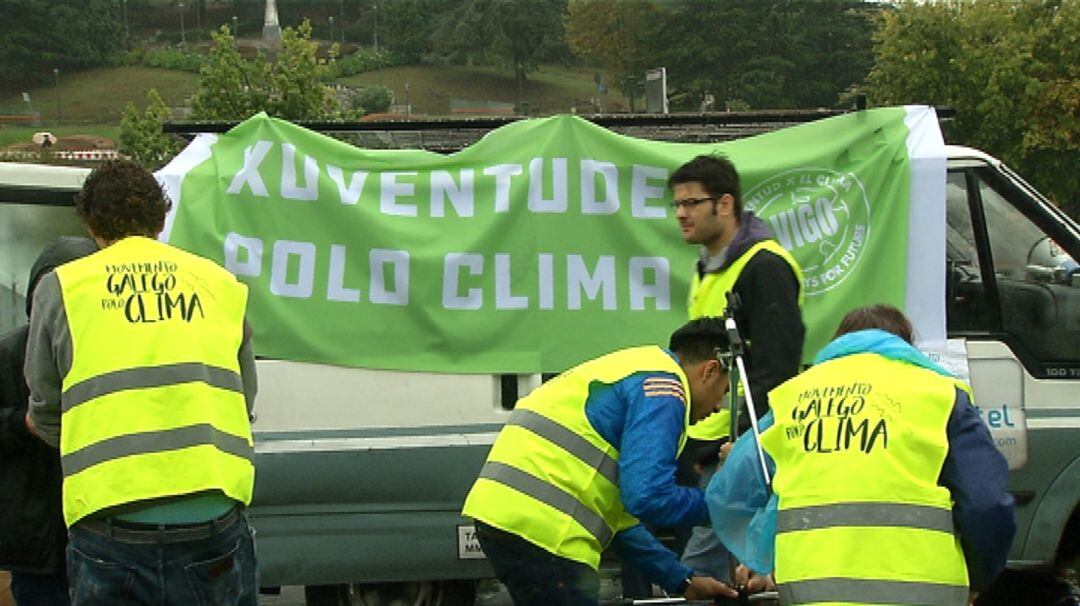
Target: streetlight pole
59,104
236,28
375,7
127,33
331,29
183,34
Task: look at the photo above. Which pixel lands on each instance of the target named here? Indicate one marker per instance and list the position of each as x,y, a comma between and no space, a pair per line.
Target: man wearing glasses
739,254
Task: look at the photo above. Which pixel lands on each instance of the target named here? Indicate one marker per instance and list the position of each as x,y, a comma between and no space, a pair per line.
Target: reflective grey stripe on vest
155,441
552,495
568,441
891,515
149,376
871,591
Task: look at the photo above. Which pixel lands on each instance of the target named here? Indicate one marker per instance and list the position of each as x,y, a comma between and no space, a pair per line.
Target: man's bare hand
30,425
707,588
725,450
753,583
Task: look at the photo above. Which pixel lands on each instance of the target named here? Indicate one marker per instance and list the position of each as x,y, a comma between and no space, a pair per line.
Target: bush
127,58
363,60
164,58
373,99
171,58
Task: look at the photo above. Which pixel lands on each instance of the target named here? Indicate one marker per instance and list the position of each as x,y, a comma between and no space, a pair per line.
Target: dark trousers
40,589
534,576
218,570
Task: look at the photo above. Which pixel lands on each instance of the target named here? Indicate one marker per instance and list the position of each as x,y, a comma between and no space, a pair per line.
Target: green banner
547,242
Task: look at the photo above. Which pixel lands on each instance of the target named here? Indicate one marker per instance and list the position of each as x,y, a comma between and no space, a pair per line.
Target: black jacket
768,318
32,532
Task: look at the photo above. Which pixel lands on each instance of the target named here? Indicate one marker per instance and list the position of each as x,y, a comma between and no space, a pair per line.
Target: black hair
882,316
60,251
717,175
698,339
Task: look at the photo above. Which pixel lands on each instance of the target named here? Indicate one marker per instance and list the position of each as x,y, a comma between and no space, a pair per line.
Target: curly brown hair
120,198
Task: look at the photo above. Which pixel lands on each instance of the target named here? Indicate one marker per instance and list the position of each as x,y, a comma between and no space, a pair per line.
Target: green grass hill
91,102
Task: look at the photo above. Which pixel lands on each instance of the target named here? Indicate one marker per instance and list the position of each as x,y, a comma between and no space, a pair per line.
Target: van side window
1005,276
968,309
1038,285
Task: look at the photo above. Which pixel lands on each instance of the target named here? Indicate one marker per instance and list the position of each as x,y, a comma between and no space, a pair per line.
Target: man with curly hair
141,372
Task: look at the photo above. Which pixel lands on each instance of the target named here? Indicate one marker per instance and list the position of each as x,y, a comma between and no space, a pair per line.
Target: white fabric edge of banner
924,288
171,176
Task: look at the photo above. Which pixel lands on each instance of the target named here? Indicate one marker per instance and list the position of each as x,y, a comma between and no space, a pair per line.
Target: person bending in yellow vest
141,371
887,487
588,454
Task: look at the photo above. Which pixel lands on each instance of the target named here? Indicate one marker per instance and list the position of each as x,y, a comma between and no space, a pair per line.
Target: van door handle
1023,497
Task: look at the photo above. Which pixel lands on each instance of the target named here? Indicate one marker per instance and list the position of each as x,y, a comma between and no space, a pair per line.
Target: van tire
458,593
1068,551
416,593
327,595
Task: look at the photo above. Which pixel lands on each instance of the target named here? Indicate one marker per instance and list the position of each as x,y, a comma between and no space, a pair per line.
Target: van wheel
1029,587
327,595
458,593
416,593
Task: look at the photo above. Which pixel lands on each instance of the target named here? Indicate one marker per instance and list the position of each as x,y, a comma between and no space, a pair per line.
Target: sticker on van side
468,546
997,398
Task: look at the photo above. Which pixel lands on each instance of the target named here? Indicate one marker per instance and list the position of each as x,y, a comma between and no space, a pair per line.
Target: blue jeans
534,576
704,552
40,589
215,571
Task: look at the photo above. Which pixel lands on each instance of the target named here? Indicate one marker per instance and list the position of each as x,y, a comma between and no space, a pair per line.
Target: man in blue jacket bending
587,455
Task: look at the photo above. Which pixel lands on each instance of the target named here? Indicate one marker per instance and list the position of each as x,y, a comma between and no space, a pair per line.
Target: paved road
490,593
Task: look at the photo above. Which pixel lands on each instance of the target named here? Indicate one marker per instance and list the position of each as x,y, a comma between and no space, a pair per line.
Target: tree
292,87
744,54
141,136
1011,69
407,26
37,36
765,54
519,34
614,35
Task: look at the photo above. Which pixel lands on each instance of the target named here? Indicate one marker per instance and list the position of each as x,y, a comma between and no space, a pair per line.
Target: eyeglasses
689,203
725,358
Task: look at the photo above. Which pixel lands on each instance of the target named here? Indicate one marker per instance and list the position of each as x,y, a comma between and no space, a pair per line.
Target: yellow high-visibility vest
708,292
152,404
859,443
708,297
550,478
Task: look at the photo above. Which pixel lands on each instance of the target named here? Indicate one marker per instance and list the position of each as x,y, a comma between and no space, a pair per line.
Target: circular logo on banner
821,216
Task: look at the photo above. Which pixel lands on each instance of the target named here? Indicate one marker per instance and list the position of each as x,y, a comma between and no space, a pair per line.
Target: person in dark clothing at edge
32,532
738,254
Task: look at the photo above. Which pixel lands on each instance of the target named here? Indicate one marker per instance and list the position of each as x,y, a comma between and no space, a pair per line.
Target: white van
353,499
1013,293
